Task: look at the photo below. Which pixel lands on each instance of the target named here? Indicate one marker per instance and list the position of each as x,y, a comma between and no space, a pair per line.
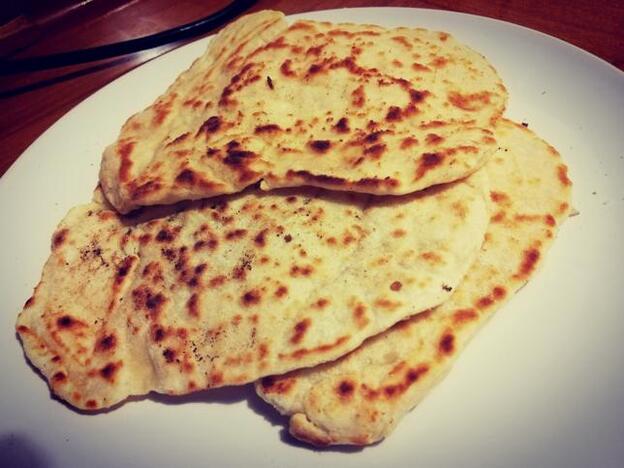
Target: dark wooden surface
32,102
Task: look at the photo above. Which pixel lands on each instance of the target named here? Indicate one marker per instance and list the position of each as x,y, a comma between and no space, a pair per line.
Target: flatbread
360,398
346,107
227,290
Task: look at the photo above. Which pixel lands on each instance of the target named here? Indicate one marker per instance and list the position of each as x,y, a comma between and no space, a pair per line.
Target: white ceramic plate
542,385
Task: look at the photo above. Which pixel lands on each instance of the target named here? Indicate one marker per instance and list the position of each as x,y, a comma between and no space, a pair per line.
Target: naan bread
347,107
227,290
360,398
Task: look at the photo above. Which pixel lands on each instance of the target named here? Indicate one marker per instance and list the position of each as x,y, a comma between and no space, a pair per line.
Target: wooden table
32,102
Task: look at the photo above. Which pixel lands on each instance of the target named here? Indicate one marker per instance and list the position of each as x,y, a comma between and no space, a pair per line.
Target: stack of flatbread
330,211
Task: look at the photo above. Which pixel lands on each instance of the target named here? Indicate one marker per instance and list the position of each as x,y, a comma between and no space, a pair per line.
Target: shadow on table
38,84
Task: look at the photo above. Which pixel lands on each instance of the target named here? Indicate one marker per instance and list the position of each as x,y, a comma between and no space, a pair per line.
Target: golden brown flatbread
360,398
346,107
224,291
